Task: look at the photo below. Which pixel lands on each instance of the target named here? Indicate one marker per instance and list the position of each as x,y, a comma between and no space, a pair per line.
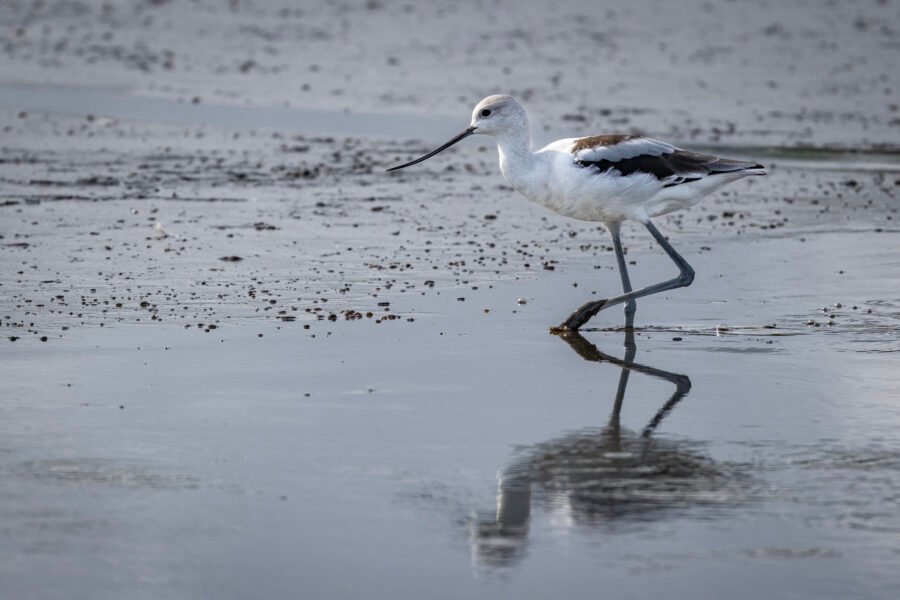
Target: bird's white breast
556,182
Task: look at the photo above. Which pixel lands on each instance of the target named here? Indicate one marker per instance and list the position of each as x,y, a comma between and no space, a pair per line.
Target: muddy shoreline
160,223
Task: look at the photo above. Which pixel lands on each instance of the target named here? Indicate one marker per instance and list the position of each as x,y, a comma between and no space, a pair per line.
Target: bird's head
495,115
498,114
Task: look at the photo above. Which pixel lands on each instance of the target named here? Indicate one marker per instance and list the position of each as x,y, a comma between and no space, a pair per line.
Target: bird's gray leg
684,279
630,305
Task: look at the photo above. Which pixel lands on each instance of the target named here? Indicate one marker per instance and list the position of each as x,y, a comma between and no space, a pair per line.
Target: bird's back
615,177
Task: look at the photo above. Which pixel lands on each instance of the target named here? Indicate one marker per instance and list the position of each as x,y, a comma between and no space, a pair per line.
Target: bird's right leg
630,305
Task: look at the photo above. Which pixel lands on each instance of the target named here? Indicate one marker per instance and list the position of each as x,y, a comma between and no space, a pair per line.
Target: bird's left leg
684,279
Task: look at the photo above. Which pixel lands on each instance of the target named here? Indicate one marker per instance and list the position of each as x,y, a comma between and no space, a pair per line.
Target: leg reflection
589,351
592,476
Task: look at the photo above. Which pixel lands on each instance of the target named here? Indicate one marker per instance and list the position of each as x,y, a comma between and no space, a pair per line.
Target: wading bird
605,178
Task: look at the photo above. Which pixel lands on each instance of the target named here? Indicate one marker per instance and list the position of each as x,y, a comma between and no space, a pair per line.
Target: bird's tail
728,165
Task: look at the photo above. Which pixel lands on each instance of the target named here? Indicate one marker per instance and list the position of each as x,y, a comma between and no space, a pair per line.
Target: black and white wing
626,155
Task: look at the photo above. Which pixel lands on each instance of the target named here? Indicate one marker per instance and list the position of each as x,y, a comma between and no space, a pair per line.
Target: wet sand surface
238,360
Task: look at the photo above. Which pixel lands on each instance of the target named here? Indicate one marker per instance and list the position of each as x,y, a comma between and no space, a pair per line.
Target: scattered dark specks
98,180
232,258
13,338
677,339
521,301
43,338
490,217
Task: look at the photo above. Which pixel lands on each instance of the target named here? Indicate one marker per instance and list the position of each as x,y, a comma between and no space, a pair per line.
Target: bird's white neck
518,163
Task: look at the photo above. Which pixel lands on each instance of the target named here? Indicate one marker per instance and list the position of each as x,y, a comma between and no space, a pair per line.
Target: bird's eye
486,112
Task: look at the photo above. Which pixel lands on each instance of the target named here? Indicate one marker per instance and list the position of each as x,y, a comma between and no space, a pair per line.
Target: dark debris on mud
146,224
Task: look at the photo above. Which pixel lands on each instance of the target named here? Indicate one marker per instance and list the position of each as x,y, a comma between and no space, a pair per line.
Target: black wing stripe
657,166
678,163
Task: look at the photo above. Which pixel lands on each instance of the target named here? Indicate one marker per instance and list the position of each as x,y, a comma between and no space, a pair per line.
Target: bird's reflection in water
602,478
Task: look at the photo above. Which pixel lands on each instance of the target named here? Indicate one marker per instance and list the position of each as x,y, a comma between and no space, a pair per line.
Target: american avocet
605,178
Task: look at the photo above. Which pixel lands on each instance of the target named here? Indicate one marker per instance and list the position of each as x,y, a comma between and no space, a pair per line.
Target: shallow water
464,455
118,103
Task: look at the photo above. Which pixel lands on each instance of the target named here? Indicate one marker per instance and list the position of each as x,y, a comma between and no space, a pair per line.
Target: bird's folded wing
626,155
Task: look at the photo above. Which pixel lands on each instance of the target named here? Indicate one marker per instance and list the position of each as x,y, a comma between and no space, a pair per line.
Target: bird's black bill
458,138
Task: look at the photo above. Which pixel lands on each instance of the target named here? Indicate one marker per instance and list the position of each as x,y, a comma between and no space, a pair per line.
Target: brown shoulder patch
586,143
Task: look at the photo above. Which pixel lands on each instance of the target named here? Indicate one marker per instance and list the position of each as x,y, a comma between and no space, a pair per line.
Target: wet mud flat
237,359
244,360
108,221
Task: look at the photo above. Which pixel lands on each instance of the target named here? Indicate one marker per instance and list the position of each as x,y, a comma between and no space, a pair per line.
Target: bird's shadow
608,478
